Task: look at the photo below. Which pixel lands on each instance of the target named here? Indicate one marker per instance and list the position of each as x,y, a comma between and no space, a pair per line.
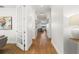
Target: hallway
41,45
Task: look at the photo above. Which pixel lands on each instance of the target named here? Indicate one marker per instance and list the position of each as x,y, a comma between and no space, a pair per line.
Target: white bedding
72,32
75,33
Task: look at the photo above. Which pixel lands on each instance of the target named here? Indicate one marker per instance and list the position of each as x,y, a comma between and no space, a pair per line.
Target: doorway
42,43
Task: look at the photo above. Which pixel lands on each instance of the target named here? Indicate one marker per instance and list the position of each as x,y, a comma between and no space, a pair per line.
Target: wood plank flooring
11,49
36,49
40,45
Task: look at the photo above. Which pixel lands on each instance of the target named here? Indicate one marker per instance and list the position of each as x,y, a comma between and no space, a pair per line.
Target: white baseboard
57,50
28,46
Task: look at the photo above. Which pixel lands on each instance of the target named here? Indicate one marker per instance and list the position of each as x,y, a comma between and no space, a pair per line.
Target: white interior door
29,26
20,30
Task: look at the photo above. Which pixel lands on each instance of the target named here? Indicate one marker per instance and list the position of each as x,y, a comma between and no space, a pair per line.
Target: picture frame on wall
5,23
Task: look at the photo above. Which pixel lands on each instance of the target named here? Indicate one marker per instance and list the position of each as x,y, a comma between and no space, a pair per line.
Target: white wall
70,10
10,33
57,28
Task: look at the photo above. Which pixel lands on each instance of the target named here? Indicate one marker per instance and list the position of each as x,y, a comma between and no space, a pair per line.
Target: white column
57,28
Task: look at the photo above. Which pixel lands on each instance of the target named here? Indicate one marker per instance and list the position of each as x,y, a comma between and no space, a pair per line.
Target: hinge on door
24,43
24,47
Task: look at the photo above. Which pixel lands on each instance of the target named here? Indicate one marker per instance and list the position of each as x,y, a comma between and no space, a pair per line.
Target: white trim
28,46
20,46
57,50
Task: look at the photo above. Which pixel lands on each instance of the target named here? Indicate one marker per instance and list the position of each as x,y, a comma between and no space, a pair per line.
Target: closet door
20,30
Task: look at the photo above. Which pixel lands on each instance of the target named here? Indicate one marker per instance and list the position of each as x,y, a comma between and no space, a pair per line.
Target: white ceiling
71,10
41,8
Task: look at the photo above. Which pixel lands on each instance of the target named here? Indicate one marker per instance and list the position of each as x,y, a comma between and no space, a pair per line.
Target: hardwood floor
40,45
11,49
34,49
38,49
